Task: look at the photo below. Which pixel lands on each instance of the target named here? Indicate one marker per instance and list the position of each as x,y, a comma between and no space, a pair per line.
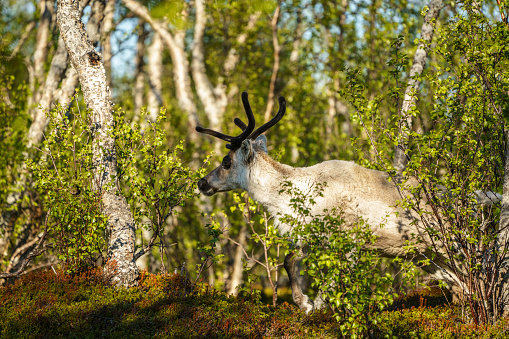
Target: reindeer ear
261,142
247,151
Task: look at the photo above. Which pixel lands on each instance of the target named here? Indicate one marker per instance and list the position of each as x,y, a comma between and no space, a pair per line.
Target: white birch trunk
420,57
55,76
67,88
43,34
275,66
503,236
93,28
139,77
233,58
180,64
120,267
106,29
36,67
215,105
154,72
233,55
238,268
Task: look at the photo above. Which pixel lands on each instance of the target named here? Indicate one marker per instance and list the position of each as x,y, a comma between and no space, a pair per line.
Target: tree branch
34,253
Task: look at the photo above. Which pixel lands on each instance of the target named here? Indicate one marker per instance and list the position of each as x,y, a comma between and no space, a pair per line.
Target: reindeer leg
319,303
299,298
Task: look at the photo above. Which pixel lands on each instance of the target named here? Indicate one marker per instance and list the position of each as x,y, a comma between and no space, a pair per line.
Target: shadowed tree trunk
237,267
120,266
95,19
55,76
233,57
503,237
67,88
420,57
41,47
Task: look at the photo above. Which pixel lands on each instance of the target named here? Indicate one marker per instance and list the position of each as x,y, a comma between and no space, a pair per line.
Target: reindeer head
233,171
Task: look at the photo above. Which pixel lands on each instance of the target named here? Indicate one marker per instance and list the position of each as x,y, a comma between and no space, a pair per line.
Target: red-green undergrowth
49,305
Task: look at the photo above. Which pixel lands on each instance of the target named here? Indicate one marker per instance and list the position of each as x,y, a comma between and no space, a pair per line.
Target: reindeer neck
265,178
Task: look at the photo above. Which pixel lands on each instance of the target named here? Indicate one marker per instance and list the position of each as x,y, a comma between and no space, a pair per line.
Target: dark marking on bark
94,58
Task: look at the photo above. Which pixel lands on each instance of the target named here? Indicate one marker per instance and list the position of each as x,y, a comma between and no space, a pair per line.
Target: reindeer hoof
306,304
319,303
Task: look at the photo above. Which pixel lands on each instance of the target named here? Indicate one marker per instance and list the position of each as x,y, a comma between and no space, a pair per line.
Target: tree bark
238,269
139,77
36,67
275,66
93,28
503,236
215,104
67,88
26,33
43,34
106,29
233,58
120,267
154,72
420,57
55,76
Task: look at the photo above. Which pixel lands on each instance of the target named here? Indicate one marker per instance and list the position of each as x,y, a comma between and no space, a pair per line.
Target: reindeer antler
272,122
265,127
235,142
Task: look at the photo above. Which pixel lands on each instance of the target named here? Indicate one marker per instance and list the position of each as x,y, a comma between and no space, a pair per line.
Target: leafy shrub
64,178
340,263
266,241
153,179
459,152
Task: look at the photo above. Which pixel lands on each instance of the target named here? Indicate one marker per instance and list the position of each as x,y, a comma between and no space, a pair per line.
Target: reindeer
359,193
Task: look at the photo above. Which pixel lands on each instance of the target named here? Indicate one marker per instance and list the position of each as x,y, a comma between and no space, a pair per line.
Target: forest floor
46,304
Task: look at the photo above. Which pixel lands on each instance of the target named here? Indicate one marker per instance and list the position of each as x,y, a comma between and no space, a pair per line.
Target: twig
34,253
502,14
22,39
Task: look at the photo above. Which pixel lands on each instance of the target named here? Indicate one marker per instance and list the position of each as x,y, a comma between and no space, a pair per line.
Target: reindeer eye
227,162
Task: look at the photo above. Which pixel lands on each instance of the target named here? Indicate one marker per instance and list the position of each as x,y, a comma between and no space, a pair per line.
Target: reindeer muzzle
205,188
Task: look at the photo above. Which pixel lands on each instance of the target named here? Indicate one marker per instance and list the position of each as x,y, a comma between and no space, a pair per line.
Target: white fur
355,190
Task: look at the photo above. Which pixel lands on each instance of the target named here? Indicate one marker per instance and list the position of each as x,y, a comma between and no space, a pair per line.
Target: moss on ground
49,305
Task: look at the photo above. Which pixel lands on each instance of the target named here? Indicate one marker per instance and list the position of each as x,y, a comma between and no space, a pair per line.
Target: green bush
153,179
340,264
456,151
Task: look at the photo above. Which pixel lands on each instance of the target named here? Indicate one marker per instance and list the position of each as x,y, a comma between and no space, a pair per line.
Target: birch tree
175,44
154,72
120,266
420,57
